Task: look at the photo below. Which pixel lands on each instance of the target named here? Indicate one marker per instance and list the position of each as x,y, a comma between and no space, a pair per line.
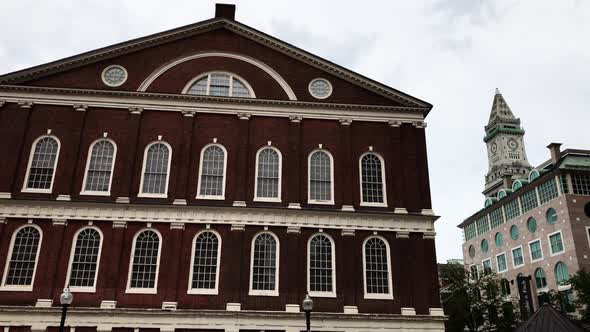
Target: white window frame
333,245
512,254
204,291
25,188
531,251
483,267
476,268
383,177
213,197
231,86
258,292
145,151
374,296
88,157
17,288
268,199
505,261
549,243
154,290
72,252
315,201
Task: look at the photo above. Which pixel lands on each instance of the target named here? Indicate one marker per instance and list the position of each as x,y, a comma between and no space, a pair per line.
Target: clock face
512,144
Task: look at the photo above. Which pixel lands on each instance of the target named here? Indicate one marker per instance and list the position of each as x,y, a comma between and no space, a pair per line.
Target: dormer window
221,84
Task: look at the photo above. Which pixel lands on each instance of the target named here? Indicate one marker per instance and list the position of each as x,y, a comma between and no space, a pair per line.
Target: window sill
374,204
197,291
557,253
263,293
36,191
82,289
322,294
379,296
16,288
536,260
268,200
141,291
145,195
564,287
95,193
217,198
320,202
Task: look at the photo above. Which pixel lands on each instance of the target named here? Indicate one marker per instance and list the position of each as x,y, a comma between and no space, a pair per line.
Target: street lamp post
307,308
65,299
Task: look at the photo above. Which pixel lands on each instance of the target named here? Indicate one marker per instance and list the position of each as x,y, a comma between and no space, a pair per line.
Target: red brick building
207,178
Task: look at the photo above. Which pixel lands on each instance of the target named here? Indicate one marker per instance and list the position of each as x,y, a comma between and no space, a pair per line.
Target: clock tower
505,145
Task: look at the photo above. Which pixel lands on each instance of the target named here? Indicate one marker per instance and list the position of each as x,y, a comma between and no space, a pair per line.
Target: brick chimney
507,181
555,150
225,11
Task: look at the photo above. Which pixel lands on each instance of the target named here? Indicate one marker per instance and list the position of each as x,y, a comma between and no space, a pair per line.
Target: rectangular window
496,217
512,209
564,186
470,231
483,225
556,243
474,272
517,258
581,184
487,265
529,201
536,251
548,191
501,260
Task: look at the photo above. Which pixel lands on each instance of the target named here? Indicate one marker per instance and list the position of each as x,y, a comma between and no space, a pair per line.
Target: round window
471,251
320,88
484,245
514,232
114,75
551,216
531,224
499,239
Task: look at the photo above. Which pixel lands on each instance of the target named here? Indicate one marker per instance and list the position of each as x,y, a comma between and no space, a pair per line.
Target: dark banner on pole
526,298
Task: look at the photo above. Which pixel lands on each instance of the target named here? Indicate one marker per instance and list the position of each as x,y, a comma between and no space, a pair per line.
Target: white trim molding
214,197
204,291
531,252
257,63
549,243
192,82
31,154
112,169
145,153
512,255
505,262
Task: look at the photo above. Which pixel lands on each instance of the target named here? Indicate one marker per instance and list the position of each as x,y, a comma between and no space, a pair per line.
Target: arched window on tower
321,270
264,275
22,258
377,268
84,260
42,165
372,178
321,178
99,168
145,262
212,172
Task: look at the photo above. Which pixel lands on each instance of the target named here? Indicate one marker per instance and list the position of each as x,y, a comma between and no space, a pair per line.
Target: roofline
242,29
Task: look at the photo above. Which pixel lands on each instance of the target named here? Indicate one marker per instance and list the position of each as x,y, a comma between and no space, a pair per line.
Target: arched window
562,275
321,276
212,172
533,175
499,239
372,178
23,256
516,185
514,232
145,262
505,287
42,165
264,273
321,178
377,268
540,279
220,84
99,167
531,224
204,277
551,215
268,175
156,170
84,260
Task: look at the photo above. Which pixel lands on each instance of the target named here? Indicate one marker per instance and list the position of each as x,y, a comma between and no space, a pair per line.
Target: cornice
206,104
52,210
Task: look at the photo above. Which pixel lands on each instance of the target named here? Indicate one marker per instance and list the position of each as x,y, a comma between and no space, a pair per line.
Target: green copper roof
576,162
495,131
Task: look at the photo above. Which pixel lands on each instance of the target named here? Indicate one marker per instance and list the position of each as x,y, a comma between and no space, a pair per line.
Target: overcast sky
451,53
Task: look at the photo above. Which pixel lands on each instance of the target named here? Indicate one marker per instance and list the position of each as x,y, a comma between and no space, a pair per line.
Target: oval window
499,239
484,245
471,251
531,224
551,216
514,232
